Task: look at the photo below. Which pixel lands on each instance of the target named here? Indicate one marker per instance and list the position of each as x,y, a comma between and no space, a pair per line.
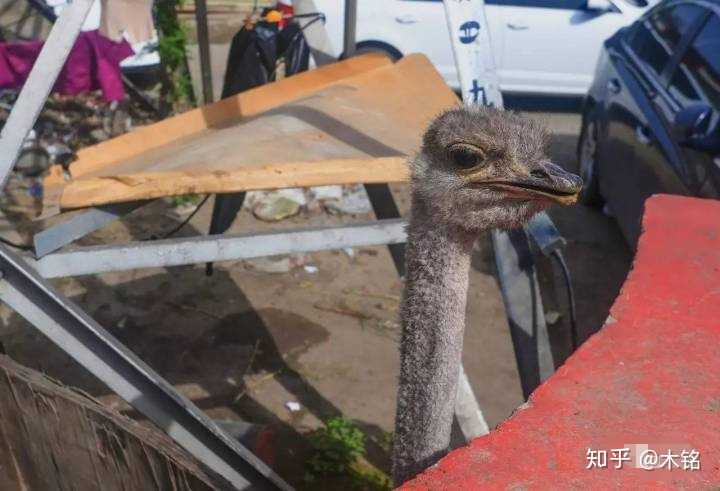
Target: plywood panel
360,129
245,104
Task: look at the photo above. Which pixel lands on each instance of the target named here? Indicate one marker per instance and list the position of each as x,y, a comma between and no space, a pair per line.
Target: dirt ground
242,343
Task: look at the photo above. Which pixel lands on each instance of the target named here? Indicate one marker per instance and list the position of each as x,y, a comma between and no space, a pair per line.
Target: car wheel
378,47
587,158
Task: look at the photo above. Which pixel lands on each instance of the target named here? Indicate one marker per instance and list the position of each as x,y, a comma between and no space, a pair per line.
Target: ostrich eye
466,156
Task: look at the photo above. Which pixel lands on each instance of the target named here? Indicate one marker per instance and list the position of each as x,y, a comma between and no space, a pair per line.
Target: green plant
185,199
370,479
338,448
177,87
386,442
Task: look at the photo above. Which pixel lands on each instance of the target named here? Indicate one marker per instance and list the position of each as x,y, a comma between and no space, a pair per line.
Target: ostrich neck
433,321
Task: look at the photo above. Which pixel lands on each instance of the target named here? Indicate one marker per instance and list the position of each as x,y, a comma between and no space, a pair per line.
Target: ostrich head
483,168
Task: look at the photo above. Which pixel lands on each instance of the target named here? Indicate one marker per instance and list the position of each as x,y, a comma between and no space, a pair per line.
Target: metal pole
203,249
64,233
471,45
468,414
40,82
349,37
518,278
466,22
203,38
517,273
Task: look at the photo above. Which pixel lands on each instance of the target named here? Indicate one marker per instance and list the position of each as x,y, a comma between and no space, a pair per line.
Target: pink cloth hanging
94,63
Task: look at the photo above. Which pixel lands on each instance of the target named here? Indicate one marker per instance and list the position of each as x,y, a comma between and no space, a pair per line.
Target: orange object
274,17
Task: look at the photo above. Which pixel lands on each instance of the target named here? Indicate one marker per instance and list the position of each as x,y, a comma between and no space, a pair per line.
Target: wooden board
357,129
52,437
224,112
131,187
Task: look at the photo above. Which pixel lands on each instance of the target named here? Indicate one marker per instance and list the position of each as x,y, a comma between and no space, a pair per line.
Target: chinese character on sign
620,455
596,459
690,460
477,92
669,460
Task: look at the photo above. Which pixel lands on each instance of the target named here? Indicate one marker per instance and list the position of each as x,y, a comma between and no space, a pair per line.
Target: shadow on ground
206,345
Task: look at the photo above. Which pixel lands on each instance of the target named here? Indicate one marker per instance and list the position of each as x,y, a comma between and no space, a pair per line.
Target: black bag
255,53
253,58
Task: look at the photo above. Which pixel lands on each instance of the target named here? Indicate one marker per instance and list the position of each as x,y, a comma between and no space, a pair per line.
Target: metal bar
225,209
471,63
203,249
316,34
545,234
520,290
62,234
42,77
467,410
471,46
349,33
385,208
203,38
89,344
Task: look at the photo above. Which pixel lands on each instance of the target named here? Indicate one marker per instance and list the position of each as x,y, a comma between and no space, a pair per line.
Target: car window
547,4
697,77
655,38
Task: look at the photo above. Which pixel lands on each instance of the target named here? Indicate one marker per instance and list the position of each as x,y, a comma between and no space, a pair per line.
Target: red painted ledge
650,376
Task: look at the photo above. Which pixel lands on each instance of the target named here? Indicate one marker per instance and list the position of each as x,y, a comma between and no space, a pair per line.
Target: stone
275,209
354,202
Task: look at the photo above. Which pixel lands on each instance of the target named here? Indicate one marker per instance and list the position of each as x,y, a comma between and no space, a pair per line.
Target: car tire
378,47
587,160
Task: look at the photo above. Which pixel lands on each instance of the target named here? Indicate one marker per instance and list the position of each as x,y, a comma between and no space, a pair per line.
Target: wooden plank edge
95,191
248,103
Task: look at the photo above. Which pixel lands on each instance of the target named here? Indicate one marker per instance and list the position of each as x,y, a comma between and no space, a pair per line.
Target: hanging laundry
129,19
94,63
255,53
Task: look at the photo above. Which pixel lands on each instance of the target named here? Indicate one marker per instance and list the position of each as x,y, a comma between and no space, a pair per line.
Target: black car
650,120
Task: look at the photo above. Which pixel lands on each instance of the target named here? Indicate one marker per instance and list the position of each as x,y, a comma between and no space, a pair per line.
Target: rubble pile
69,123
273,206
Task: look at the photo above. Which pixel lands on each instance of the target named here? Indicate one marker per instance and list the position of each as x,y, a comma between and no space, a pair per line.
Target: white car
539,46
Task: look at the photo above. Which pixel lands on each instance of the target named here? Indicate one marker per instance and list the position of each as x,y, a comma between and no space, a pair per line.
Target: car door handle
642,134
517,27
613,86
406,19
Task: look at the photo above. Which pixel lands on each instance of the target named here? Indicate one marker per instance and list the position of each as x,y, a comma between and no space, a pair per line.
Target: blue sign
469,31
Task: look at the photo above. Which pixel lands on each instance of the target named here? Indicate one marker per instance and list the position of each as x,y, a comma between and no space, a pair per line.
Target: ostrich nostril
539,173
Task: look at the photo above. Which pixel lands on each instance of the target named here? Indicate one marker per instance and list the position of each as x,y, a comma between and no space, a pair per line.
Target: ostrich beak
545,181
